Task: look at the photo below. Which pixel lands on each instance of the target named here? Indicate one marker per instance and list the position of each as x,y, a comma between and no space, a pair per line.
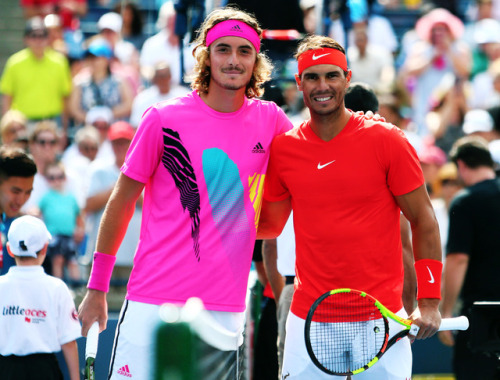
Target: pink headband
234,28
322,56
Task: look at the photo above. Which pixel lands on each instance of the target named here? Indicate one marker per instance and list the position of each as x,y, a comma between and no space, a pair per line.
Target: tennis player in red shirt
347,179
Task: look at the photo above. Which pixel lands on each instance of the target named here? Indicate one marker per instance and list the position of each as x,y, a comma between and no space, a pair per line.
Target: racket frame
90,368
91,351
386,313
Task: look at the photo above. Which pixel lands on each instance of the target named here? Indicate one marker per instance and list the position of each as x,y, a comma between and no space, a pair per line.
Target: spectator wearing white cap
39,316
478,10
487,44
485,88
110,26
479,122
126,56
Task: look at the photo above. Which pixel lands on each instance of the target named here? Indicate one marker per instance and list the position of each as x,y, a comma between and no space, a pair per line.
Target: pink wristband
102,268
428,278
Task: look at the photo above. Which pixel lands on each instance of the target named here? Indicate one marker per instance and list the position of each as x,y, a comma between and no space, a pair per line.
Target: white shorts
133,349
395,364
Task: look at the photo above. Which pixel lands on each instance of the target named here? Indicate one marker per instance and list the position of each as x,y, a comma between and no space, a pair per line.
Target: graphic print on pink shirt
176,160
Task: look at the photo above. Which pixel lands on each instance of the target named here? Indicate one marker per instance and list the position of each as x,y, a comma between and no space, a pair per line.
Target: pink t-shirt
204,173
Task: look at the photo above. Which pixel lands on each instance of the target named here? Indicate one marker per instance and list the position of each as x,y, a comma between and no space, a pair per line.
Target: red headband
322,56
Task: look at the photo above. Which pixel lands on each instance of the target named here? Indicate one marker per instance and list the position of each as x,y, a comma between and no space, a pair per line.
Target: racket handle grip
92,341
458,323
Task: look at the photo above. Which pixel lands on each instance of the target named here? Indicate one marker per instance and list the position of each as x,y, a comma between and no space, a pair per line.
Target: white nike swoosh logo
431,281
315,57
322,166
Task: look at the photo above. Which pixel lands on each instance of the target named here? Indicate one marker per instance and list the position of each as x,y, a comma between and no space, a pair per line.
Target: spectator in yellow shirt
36,80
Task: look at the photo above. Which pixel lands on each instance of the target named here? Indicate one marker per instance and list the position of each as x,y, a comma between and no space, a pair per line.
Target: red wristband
102,268
428,278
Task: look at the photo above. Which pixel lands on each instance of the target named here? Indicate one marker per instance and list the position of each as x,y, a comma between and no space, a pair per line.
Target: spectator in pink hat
432,159
437,53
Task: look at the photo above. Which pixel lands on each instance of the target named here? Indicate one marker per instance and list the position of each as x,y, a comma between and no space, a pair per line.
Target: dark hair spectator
14,162
132,23
473,151
361,97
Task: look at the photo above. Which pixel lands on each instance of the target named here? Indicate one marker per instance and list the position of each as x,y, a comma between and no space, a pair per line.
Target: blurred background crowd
79,75
75,92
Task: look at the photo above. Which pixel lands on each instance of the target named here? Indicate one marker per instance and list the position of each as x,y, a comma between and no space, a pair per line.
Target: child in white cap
37,313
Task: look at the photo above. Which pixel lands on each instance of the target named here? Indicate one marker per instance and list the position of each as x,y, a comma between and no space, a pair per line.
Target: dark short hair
14,162
472,151
361,97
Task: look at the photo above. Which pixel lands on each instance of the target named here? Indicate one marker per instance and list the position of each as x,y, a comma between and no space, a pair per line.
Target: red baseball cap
121,130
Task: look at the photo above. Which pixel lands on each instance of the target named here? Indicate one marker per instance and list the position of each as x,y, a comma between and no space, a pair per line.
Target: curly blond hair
201,77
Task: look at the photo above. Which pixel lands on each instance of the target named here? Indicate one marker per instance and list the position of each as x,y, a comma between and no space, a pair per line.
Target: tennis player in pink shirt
200,160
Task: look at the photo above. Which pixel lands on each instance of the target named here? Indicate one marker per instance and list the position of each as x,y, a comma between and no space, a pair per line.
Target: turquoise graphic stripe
225,192
227,200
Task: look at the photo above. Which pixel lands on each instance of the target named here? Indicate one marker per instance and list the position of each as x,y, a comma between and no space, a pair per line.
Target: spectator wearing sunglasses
36,80
45,147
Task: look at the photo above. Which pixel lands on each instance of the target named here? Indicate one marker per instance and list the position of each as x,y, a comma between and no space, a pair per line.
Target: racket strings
347,332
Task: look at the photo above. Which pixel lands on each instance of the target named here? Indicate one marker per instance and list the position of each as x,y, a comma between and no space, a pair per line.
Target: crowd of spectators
73,100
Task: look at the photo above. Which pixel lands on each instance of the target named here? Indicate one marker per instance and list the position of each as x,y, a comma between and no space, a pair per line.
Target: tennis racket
91,351
347,331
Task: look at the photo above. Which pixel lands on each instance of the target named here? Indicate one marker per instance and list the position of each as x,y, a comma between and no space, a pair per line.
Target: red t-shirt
68,18
345,216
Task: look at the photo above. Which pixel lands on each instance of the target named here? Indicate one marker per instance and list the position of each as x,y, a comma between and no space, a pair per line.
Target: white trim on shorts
133,348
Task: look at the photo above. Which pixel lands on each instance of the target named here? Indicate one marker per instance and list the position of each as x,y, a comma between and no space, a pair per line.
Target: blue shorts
62,245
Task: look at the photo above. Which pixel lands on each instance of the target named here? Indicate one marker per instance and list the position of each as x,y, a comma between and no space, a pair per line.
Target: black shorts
62,245
29,367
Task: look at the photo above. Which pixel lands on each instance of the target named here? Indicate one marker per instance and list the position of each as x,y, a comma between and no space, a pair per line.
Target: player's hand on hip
427,317
94,307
